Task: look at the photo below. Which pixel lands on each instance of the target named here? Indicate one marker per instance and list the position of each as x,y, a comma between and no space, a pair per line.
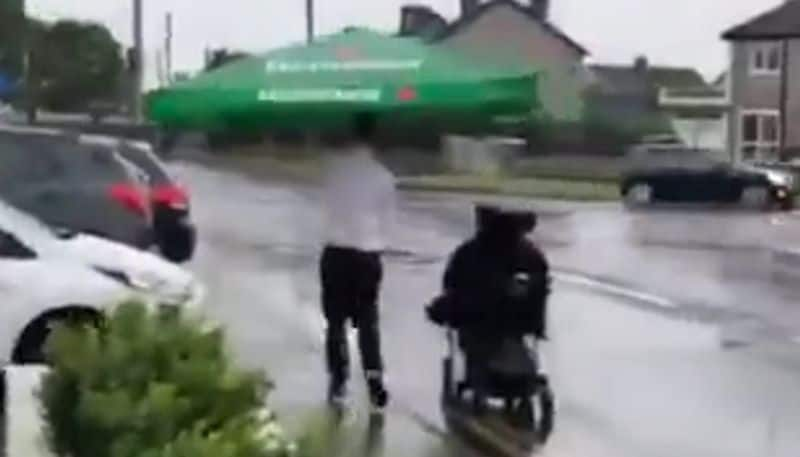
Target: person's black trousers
350,288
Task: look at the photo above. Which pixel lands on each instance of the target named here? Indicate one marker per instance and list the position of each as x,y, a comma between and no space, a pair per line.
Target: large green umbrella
353,71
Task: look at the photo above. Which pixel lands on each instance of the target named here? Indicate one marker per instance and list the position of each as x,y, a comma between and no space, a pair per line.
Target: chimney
407,19
469,6
641,65
540,8
422,21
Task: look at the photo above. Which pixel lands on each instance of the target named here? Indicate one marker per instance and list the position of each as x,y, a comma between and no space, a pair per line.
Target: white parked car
47,276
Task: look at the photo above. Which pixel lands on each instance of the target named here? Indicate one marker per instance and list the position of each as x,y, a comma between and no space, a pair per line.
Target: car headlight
190,296
780,179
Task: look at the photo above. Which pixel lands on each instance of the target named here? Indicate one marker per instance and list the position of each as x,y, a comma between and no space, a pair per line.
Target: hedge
154,385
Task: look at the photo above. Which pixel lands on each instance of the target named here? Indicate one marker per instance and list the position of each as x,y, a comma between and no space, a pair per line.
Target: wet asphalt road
643,305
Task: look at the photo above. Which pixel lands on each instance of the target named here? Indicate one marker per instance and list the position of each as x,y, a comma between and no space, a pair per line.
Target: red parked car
173,231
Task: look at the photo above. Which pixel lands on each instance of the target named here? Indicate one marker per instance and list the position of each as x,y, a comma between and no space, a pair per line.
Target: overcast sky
674,32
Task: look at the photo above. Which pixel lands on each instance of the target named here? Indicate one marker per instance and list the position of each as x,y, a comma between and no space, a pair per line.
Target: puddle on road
669,388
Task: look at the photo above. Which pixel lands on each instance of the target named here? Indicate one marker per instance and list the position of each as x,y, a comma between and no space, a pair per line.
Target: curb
23,426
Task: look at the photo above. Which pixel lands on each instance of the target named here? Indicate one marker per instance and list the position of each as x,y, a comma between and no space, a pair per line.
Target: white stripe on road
318,326
585,281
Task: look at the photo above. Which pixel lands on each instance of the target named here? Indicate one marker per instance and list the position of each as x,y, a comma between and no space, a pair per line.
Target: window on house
766,58
774,59
760,135
750,128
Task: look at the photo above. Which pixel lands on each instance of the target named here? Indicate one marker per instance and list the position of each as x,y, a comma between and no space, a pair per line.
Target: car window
97,162
13,248
48,158
17,220
147,162
29,160
135,173
673,156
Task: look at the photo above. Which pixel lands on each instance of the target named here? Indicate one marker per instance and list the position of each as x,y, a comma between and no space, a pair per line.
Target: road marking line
585,281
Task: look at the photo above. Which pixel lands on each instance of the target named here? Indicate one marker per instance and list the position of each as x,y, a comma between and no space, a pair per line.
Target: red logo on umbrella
407,94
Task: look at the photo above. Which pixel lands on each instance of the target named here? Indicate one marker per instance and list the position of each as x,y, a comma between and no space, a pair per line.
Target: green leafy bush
149,385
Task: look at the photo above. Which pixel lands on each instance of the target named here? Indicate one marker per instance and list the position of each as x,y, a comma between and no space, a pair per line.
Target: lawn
546,188
559,178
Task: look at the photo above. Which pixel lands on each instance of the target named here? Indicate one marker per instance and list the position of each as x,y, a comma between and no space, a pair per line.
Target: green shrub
153,385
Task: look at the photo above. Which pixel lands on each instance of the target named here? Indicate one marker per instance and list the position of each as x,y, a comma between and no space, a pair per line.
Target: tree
12,28
29,99
12,24
223,56
73,63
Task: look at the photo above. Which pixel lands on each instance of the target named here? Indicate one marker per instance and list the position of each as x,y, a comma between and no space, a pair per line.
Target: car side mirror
12,248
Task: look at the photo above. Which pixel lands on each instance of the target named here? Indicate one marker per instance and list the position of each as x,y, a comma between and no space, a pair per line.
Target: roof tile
780,22
468,19
620,79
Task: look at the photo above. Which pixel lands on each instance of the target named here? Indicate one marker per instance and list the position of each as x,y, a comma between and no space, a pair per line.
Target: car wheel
30,348
639,194
787,204
756,197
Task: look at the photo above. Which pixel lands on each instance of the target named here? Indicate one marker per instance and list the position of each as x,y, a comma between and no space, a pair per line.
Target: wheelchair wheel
447,380
525,415
547,411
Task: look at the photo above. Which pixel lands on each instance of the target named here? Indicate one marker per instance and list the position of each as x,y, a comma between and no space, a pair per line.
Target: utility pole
138,57
160,73
206,56
168,49
26,77
309,21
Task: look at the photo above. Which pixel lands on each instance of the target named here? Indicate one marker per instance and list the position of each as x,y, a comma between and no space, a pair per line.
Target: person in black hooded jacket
498,281
496,286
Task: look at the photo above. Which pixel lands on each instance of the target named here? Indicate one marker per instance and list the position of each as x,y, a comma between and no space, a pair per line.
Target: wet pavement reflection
710,371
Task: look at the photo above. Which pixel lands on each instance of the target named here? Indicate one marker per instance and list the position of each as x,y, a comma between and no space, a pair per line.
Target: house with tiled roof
521,31
764,84
518,31
658,99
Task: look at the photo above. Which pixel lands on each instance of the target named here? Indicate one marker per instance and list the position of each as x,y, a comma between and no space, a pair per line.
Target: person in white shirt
359,197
